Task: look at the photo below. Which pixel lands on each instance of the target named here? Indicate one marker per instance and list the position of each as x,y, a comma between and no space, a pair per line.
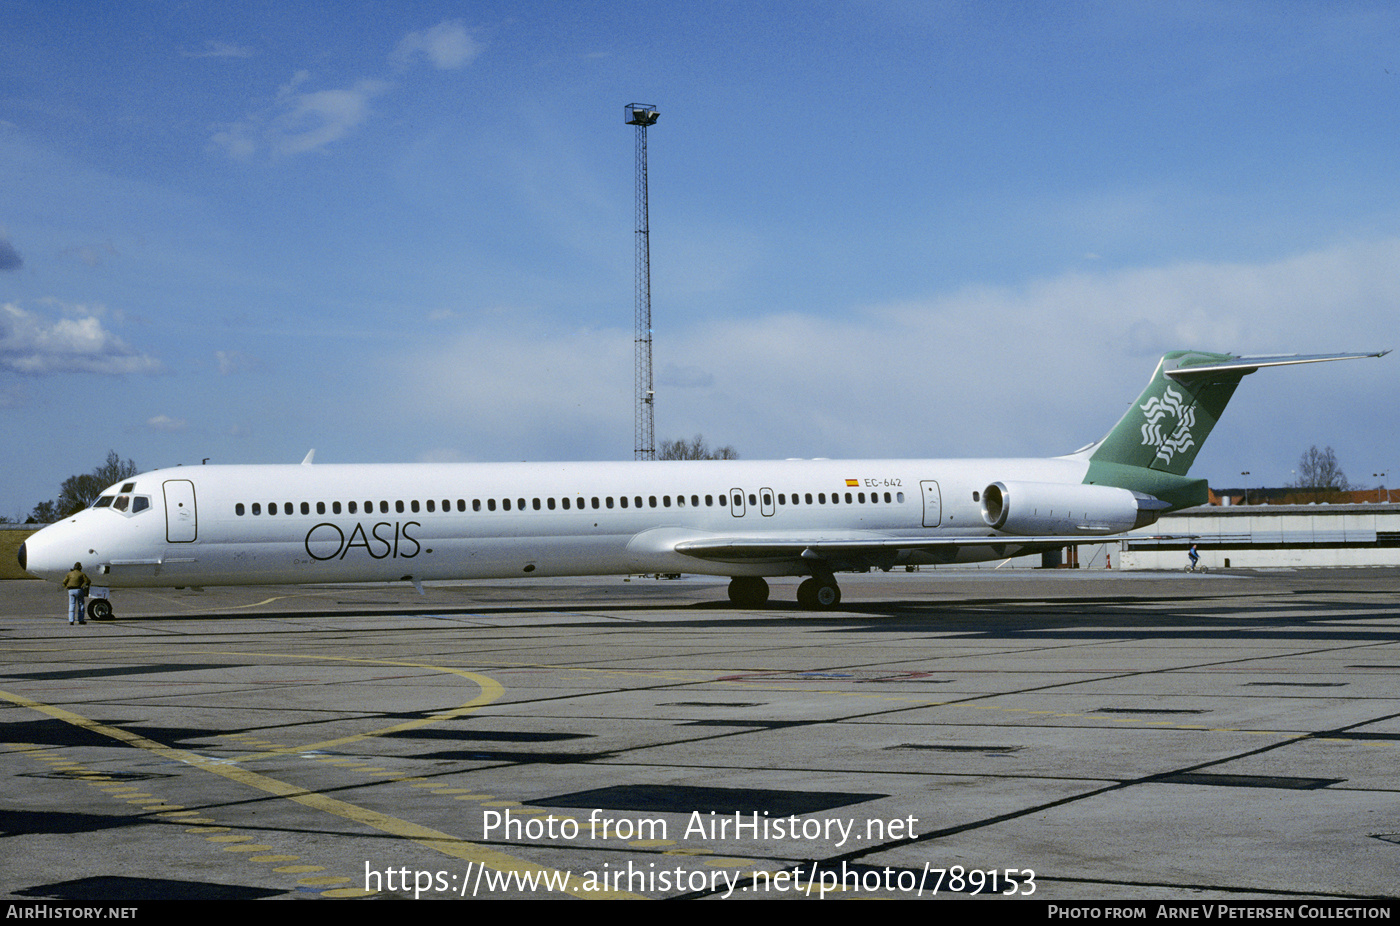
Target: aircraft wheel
818,594
826,595
100,609
748,591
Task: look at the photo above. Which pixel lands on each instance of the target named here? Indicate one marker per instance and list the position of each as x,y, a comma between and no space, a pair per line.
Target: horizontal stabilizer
1244,365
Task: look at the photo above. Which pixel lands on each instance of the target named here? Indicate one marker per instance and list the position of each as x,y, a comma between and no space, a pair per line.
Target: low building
1272,535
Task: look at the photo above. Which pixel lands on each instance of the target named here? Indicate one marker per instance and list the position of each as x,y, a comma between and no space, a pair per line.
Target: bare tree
78,492
694,449
1319,470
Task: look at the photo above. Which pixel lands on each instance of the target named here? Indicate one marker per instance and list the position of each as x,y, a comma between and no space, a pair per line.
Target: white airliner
294,524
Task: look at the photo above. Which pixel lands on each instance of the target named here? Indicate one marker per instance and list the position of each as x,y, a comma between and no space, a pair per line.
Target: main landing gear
820,593
748,591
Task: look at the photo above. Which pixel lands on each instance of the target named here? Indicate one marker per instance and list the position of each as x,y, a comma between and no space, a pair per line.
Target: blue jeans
77,604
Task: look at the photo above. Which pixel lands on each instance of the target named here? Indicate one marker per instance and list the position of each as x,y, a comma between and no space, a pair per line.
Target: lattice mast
643,115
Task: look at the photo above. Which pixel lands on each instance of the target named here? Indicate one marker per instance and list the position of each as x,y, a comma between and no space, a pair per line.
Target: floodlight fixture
642,114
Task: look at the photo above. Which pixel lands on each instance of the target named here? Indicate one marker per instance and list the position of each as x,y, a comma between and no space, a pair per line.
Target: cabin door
180,524
933,503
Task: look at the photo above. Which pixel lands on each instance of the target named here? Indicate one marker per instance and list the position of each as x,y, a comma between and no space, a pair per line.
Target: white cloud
216,49
232,361
1002,371
35,345
166,423
301,121
447,46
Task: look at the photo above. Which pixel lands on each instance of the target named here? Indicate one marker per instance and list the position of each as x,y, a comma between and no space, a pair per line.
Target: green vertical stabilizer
1152,446
1165,428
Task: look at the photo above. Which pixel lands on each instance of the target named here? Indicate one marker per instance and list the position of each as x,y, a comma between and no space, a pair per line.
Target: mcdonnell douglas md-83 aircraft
265,525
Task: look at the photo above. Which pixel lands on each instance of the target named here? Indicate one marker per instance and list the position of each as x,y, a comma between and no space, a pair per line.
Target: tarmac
1062,735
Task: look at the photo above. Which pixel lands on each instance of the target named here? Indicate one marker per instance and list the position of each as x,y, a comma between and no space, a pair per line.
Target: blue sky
402,232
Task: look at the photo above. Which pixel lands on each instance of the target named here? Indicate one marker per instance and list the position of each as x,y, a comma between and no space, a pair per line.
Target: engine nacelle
1050,508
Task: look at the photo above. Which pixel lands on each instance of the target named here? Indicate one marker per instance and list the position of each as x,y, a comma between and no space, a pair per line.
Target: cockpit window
127,504
129,487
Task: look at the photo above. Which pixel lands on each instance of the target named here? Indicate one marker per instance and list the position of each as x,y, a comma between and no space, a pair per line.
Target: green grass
9,553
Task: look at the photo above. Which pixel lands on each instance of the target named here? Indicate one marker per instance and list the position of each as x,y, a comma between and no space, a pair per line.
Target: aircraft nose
51,552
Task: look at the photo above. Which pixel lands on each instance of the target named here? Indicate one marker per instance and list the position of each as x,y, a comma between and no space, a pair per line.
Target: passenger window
505,504
609,501
398,506
549,503
384,507
430,506
271,508
257,509
412,505
622,500
305,508
535,504
476,504
335,507
237,509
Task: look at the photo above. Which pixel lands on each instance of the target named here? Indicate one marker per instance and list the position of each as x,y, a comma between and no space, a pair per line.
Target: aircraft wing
856,548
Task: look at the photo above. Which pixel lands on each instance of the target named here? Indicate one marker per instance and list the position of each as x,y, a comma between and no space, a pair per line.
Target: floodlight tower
642,115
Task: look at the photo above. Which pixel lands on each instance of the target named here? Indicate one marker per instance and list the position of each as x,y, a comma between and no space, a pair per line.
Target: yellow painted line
425,836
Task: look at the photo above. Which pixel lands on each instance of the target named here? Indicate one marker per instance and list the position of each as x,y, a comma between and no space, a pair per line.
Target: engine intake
1050,508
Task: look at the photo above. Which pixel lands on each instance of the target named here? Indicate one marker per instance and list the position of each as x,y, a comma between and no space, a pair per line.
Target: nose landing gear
99,607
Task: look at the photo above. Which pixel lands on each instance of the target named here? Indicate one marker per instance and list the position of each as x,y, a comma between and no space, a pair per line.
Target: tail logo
1179,440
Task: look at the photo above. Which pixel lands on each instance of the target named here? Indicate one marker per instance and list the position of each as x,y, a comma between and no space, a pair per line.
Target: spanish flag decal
852,483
